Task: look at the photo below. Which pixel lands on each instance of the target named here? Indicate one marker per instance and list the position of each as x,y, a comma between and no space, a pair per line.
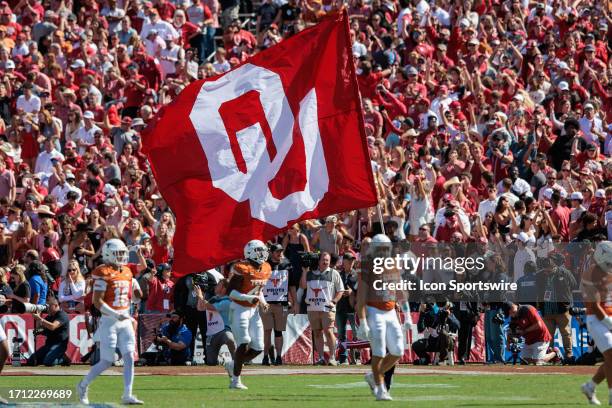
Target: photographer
55,328
555,284
174,338
185,300
218,331
468,314
527,323
436,322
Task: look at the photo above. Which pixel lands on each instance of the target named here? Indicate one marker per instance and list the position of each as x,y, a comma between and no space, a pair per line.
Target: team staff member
245,288
597,289
378,320
345,310
530,325
324,289
279,297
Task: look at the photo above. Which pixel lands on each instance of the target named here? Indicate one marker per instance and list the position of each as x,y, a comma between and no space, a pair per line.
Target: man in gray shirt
122,134
111,168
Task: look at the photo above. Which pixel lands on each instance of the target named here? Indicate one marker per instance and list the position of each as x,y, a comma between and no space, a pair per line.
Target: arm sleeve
186,337
453,323
63,319
339,286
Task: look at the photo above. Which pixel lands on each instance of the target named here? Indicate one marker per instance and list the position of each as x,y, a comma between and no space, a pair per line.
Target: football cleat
589,391
369,379
82,390
236,384
131,400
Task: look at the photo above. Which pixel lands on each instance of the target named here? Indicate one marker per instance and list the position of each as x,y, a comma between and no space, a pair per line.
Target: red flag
276,140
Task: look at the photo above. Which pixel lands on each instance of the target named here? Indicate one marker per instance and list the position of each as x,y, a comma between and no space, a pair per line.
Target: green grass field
327,391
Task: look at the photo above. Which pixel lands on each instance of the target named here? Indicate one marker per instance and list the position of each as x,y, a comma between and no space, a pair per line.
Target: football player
597,292
247,278
378,319
112,292
4,347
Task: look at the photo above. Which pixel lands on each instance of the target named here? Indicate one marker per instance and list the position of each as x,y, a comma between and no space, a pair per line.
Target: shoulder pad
241,268
101,272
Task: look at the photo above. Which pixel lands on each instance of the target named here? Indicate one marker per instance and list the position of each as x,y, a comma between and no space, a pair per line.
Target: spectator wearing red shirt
149,68
135,88
80,71
451,225
560,215
161,244
161,290
373,117
368,80
73,208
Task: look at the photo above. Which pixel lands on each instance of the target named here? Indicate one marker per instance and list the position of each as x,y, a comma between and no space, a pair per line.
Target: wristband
235,295
106,310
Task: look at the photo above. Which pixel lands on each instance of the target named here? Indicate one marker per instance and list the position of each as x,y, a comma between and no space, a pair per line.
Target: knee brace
278,333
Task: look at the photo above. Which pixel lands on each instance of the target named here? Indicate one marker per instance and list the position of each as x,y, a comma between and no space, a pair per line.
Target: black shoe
265,361
271,353
66,361
461,362
278,361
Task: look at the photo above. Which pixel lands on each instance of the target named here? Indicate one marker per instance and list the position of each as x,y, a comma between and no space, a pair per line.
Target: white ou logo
248,177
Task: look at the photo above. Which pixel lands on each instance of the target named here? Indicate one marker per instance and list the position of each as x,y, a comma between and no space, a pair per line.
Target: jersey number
121,296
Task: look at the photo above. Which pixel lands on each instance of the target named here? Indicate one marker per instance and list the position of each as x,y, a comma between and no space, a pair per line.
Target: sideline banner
296,350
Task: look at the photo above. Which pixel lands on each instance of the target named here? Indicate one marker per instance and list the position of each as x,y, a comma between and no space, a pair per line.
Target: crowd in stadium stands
486,121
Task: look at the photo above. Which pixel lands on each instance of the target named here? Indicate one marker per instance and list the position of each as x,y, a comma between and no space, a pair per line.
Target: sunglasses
72,270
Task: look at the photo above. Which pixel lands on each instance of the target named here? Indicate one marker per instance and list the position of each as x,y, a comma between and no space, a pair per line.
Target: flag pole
380,218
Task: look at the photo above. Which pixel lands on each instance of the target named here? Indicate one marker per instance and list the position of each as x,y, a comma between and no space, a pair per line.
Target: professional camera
309,260
515,346
30,308
206,282
154,355
499,317
203,280
16,357
577,311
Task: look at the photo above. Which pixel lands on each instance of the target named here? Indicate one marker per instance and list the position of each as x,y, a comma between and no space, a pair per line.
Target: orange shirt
253,279
117,286
384,300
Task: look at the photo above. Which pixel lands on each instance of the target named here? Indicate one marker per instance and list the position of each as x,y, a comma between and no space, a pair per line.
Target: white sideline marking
460,398
362,384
